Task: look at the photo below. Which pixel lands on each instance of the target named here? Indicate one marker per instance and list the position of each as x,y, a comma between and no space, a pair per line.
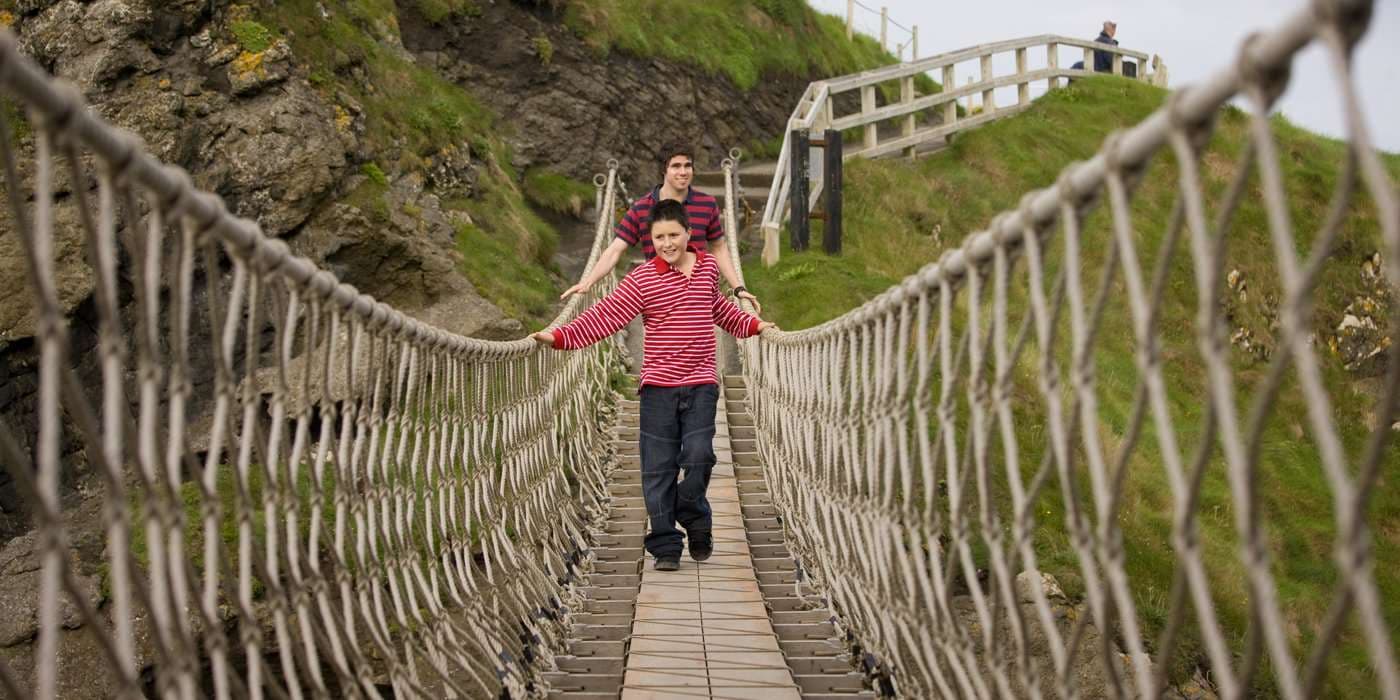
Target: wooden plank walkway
703,631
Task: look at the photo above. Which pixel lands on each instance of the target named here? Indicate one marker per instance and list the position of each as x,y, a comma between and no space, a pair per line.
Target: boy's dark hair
668,210
671,149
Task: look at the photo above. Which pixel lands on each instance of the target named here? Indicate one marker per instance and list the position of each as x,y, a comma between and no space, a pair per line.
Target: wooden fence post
1023,89
989,96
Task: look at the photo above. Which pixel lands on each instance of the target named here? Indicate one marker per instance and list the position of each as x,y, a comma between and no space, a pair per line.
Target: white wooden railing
817,111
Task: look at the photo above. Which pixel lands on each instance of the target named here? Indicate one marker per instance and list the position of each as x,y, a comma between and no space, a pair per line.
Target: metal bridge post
798,159
831,235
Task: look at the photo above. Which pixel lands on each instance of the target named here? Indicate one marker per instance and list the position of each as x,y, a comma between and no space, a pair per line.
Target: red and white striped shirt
679,314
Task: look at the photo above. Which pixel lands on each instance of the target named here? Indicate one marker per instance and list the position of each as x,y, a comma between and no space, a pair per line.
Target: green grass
558,193
438,11
515,272
410,113
227,493
892,208
251,36
741,39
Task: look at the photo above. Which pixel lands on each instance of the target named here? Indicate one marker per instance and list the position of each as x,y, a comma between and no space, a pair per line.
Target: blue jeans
677,436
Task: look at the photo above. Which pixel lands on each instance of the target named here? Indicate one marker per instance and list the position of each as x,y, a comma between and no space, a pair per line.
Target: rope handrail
304,489
914,442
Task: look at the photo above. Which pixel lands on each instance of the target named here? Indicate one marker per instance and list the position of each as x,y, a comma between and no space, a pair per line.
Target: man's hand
757,307
576,289
765,325
544,338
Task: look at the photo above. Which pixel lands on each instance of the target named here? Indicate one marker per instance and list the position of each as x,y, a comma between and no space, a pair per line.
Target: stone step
629,470
810,647
768,551
767,564
819,665
624,540
773,591
829,683
610,607
627,515
571,683
772,577
598,648
609,633
618,566
594,665
627,502
623,490
584,618
786,602
618,553
600,593
800,617
804,630
766,537
759,511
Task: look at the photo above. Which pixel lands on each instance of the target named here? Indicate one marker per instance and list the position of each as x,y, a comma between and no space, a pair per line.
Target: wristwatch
738,289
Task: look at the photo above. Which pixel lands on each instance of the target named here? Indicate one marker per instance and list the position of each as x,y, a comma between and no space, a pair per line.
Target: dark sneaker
702,545
668,564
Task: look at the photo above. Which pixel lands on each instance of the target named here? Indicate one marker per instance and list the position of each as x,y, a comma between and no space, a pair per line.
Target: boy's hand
765,325
576,289
757,307
544,338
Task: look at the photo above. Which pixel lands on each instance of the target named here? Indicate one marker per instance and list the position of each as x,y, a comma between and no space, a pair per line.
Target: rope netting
1041,401
370,506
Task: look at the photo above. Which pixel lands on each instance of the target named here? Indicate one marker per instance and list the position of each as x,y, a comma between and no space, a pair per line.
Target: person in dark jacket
1103,60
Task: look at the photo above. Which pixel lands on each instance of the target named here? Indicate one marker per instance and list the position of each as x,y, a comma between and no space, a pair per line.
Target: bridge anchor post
799,191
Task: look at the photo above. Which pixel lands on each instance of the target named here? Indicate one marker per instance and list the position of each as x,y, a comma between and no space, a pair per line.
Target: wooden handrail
814,110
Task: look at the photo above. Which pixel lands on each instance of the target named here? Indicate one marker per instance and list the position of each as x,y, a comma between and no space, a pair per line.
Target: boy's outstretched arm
607,260
608,316
736,321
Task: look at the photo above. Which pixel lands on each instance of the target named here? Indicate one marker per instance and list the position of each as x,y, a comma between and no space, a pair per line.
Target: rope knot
1267,82
59,122
271,254
1113,152
128,146
1065,189
1349,18
1198,128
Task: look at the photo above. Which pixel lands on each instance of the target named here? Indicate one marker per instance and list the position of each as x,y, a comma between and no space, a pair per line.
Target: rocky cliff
376,142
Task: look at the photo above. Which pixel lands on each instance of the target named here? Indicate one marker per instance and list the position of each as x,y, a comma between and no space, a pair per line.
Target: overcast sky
1196,38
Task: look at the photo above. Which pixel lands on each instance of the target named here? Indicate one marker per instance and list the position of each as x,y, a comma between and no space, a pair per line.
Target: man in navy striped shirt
703,219
677,294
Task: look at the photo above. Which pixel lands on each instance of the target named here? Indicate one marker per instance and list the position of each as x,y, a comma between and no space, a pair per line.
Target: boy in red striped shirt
677,294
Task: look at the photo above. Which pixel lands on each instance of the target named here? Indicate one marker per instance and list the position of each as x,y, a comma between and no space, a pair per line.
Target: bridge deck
704,631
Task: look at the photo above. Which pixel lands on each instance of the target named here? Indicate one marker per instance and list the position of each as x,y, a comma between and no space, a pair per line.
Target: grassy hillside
411,113
893,209
742,39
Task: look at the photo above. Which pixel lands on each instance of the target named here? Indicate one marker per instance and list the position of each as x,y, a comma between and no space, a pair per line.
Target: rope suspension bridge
377,507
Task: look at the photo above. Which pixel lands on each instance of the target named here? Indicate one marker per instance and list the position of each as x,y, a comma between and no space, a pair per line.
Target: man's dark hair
668,210
672,149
